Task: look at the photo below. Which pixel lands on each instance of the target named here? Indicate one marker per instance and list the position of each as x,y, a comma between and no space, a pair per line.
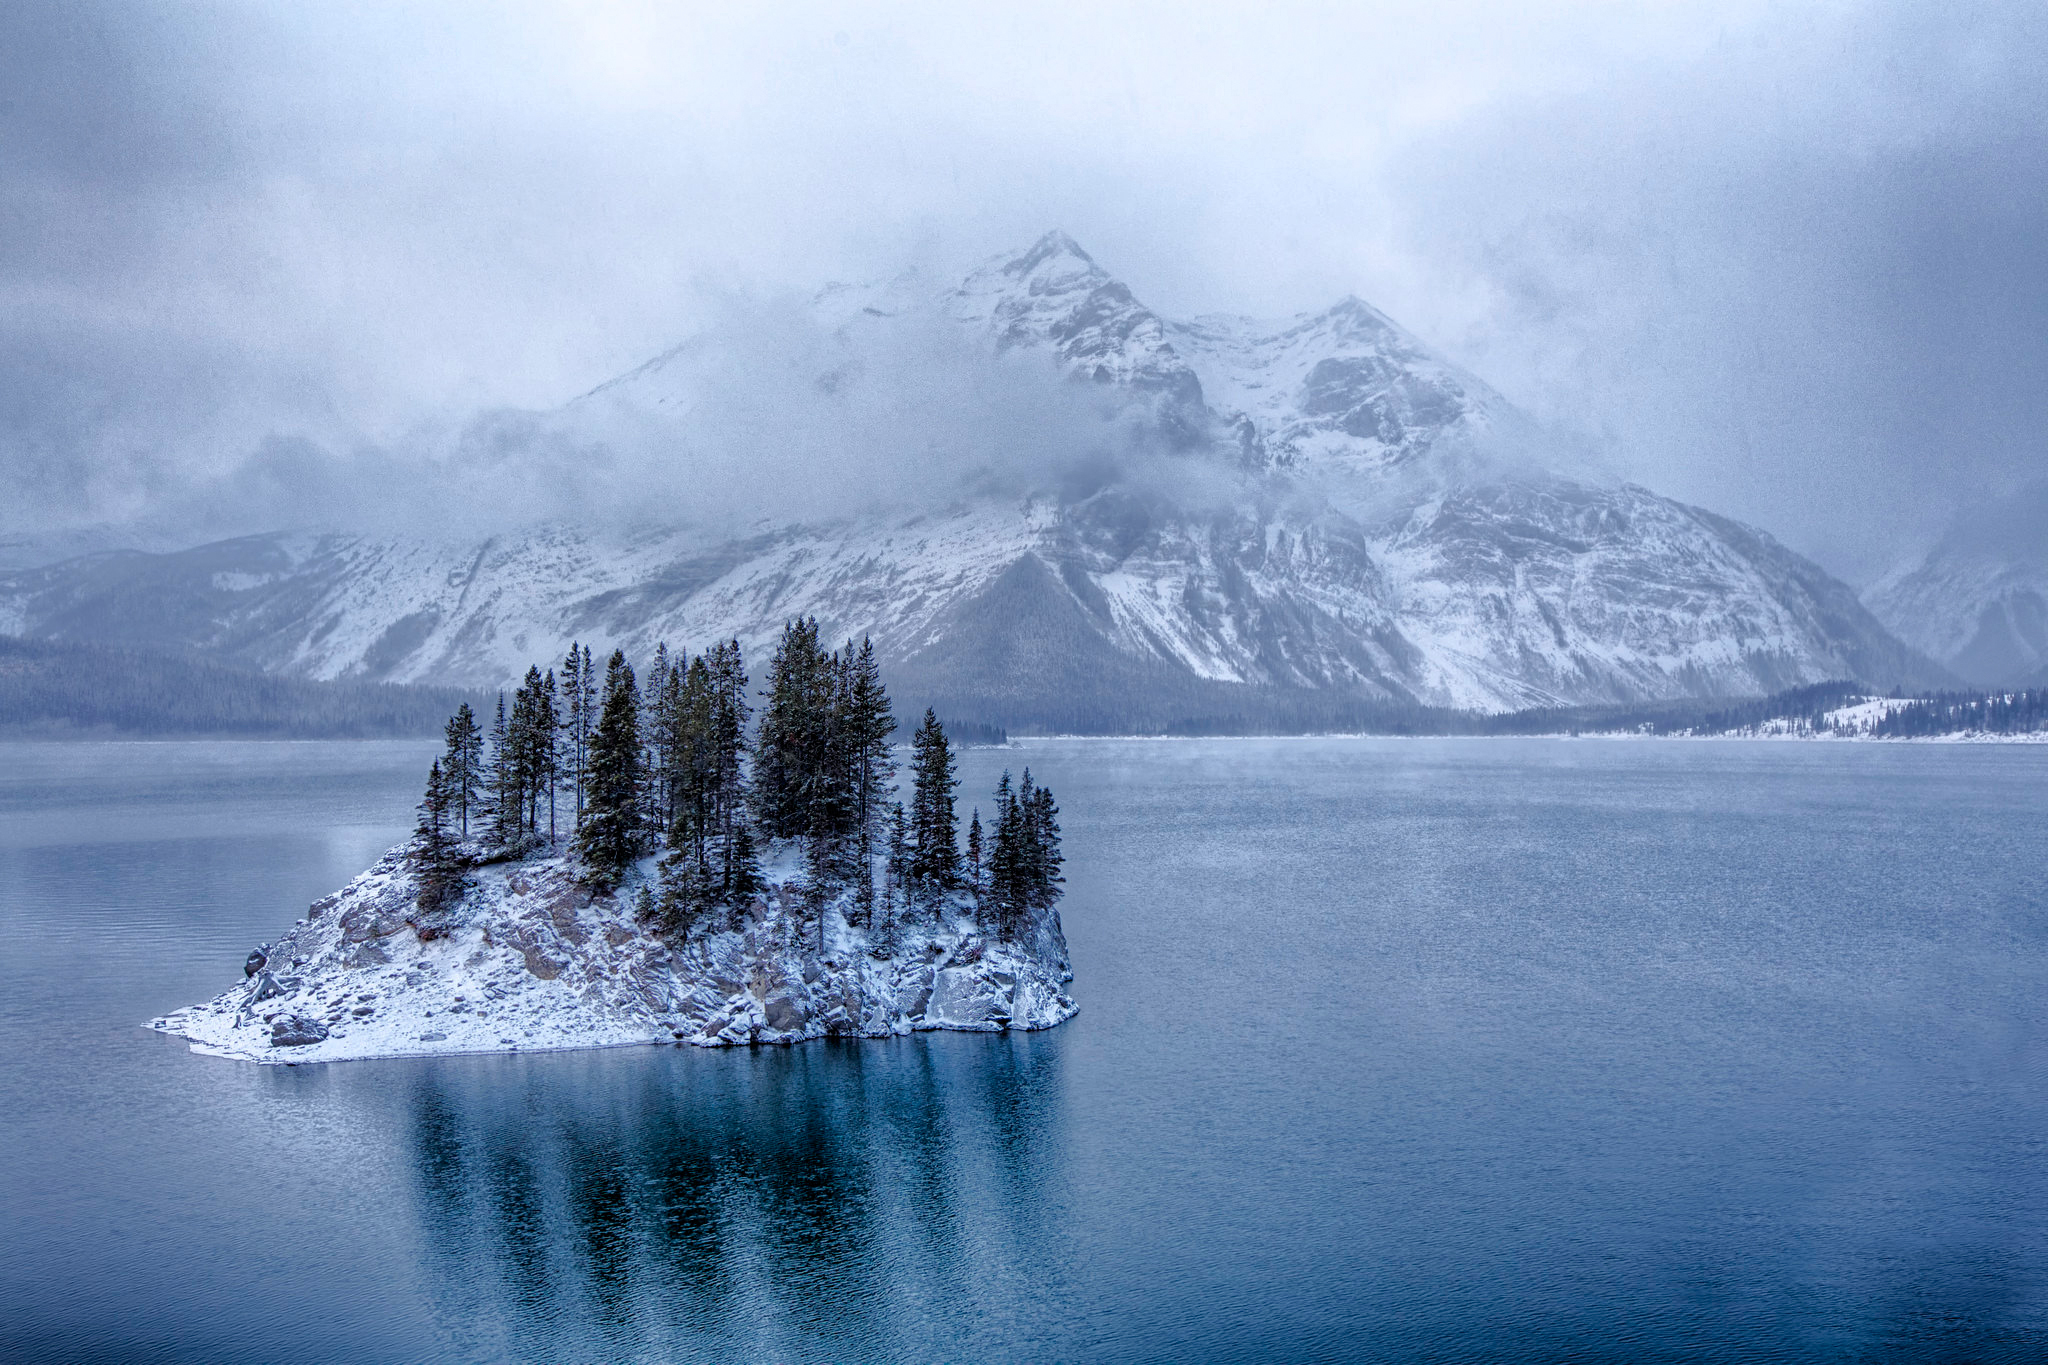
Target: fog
270,265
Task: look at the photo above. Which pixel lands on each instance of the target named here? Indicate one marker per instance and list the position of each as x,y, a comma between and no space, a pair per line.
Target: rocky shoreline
529,959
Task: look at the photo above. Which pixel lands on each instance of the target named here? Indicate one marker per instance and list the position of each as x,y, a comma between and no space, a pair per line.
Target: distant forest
61,689
1803,709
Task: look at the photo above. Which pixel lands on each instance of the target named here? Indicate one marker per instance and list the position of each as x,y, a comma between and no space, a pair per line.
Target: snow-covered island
656,921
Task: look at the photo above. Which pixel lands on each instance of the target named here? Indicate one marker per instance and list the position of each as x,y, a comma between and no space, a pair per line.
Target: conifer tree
1006,872
1041,818
726,680
463,764
742,869
866,731
668,738
788,752
503,775
578,686
1024,866
437,868
897,864
548,748
610,834
934,843
974,859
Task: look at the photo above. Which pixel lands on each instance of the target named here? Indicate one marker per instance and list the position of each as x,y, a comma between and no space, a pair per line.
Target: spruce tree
792,756
897,864
974,859
548,726
1007,875
1041,820
867,728
743,879
610,835
463,764
935,847
726,679
578,686
502,774
437,867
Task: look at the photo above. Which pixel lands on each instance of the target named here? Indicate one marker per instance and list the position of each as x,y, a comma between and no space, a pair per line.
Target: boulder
963,997
296,1030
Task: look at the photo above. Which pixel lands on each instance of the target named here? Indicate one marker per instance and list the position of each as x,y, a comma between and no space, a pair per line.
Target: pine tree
463,764
935,848
867,728
610,835
779,757
897,864
502,773
578,686
743,879
726,679
437,867
1043,827
530,745
1007,872
548,725
975,854
668,739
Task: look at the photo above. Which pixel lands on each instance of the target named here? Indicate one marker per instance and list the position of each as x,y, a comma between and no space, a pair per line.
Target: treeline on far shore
62,689
75,689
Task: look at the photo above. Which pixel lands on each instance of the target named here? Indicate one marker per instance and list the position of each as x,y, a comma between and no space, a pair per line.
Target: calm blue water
1404,1050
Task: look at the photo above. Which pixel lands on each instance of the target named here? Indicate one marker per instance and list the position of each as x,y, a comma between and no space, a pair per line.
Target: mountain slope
1309,509
1978,600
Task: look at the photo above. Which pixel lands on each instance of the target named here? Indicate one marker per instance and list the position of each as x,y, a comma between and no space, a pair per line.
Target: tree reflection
841,1198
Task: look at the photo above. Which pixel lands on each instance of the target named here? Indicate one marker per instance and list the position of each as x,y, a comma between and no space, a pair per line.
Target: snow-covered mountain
1978,600
1319,510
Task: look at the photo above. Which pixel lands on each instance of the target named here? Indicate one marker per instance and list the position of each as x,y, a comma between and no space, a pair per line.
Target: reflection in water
652,1202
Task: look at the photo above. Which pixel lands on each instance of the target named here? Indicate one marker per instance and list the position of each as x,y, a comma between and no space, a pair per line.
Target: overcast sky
1789,261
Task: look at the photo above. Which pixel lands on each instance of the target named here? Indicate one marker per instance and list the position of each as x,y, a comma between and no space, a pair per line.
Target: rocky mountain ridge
1326,510
1977,600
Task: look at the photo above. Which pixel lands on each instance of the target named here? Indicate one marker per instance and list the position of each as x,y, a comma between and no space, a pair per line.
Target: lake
1389,1049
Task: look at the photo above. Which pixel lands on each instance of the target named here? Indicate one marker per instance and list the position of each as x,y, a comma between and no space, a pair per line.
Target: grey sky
1788,261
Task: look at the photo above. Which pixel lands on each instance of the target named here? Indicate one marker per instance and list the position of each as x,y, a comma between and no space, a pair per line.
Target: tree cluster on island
678,768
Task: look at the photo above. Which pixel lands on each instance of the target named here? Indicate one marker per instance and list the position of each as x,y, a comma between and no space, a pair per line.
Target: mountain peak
1054,246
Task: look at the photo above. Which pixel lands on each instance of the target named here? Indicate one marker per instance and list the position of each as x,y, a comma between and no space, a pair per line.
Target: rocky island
718,883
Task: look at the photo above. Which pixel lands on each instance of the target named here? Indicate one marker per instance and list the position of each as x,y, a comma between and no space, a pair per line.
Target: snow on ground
530,960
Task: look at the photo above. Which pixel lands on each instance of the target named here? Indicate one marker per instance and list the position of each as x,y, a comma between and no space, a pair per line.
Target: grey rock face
527,959
297,1030
1977,601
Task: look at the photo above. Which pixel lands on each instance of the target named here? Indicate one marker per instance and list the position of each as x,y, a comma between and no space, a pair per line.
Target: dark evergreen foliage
698,739
934,841
973,864
55,688
577,687
463,764
1024,864
1947,713
609,836
821,761
436,860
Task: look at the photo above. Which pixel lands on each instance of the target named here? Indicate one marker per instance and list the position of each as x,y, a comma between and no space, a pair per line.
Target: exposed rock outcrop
529,959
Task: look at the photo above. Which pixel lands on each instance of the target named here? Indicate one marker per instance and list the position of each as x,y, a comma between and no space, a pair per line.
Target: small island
613,864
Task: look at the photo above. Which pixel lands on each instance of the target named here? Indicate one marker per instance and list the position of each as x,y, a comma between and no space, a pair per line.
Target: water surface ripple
1390,1050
